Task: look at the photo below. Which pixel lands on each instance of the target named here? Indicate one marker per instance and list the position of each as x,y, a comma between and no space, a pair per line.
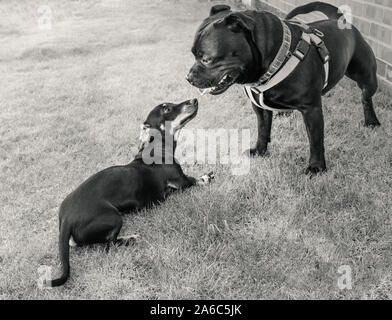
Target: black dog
91,213
239,47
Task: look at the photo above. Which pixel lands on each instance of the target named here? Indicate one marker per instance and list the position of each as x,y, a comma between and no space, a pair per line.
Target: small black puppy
91,213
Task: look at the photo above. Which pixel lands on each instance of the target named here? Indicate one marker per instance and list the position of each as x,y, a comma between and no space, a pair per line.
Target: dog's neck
255,71
264,46
162,152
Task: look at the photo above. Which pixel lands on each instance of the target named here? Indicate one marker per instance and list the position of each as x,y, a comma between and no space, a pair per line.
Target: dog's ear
145,135
238,21
219,8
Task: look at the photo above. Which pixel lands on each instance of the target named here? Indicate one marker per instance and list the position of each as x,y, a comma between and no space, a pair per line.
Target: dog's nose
193,102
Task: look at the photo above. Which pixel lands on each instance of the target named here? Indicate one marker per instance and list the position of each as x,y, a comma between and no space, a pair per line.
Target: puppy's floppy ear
145,136
219,8
238,21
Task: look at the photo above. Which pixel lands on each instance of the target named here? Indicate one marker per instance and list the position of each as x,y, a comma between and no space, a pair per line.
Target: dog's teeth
223,79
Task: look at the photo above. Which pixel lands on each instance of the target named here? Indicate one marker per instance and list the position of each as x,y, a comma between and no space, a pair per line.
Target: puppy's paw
131,240
127,240
205,179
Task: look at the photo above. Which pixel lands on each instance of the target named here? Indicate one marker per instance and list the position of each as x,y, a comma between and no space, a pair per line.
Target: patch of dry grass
71,102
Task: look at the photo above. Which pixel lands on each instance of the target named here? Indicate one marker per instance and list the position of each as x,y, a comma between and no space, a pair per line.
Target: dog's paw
255,152
46,283
127,240
72,242
205,179
283,114
372,123
314,170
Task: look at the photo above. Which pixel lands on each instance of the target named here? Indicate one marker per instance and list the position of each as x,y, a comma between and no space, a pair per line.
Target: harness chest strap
255,93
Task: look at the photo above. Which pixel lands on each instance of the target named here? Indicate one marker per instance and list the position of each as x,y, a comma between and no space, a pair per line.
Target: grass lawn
71,102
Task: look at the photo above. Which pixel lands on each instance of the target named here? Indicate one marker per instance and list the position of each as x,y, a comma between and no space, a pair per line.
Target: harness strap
324,54
281,55
309,36
257,98
295,58
315,36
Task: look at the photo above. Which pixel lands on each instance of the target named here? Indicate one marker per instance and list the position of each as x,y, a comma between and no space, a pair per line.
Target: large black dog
239,47
91,213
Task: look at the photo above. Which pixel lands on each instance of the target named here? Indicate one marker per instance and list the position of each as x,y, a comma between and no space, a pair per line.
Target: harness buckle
323,51
317,32
326,58
301,50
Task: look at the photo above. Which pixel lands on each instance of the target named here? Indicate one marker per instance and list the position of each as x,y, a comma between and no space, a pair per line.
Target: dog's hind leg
367,101
363,70
103,228
368,85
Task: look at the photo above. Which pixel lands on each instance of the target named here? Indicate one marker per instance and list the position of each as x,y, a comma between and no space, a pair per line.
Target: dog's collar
281,56
164,152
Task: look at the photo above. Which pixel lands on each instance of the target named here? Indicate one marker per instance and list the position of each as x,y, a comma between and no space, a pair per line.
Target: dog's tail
65,234
329,10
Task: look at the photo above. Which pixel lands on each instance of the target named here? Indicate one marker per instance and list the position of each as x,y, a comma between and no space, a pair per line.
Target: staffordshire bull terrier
245,48
91,213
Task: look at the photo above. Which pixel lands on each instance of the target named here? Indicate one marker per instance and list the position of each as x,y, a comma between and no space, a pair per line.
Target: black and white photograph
196,150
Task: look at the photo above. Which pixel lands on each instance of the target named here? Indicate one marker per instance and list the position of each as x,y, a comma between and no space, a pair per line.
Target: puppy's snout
190,106
194,102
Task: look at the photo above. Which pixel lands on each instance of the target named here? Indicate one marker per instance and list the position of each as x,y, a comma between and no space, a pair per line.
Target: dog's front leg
264,123
314,122
181,182
184,181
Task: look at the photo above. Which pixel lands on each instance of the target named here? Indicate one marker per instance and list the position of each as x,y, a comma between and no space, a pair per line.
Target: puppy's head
222,51
167,118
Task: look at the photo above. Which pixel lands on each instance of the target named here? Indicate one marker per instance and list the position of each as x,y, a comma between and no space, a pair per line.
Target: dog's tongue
205,91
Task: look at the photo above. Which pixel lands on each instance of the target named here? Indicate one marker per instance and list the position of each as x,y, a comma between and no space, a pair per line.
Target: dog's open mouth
221,87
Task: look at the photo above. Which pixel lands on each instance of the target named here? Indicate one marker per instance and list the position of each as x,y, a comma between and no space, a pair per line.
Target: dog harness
279,70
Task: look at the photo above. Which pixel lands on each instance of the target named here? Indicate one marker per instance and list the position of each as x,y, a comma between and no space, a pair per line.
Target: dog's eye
166,109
